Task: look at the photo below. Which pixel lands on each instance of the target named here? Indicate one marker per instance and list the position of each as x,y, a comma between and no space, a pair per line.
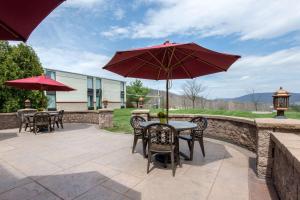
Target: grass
122,116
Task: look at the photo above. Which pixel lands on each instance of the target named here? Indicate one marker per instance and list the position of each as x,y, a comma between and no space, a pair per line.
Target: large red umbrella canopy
169,61
18,18
38,83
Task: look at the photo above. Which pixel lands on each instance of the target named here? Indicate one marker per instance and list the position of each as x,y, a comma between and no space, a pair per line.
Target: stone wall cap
7,114
141,111
220,117
81,111
277,123
105,110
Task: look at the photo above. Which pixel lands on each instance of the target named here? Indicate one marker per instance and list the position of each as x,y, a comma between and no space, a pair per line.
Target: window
51,74
122,94
98,94
51,96
90,83
90,101
90,93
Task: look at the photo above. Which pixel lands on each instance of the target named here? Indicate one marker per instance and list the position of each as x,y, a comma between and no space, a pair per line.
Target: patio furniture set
39,121
162,140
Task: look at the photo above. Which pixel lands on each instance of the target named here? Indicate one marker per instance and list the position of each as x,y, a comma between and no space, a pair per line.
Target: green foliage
161,115
136,90
17,62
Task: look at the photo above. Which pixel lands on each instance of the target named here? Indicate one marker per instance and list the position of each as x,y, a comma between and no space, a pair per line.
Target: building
89,94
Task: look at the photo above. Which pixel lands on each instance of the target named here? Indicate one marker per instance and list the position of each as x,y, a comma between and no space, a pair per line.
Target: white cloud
250,19
116,31
75,61
82,3
119,13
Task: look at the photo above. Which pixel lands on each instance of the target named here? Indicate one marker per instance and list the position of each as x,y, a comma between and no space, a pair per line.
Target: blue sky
82,35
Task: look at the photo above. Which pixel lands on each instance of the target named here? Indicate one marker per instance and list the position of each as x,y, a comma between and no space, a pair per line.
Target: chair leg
20,127
144,148
172,163
26,126
57,124
135,139
165,160
202,146
61,124
192,150
149,160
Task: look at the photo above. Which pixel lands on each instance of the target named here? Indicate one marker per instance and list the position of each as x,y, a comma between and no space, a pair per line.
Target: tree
192,90
136,90
18,62
254,98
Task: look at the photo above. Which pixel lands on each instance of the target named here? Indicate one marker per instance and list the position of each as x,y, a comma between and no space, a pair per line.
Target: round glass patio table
179,126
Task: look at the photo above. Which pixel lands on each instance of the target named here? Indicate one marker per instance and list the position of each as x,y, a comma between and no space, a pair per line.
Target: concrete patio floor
83,162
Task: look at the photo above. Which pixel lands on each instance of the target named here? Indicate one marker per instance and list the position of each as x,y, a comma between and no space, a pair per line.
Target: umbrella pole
167,100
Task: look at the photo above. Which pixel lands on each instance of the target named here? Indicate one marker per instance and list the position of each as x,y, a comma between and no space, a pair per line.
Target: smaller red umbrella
38,83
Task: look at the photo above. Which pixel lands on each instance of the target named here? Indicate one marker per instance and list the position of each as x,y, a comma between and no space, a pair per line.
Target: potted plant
162,117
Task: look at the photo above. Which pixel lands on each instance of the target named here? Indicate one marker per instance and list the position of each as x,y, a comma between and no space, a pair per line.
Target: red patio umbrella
18,18
169,61
42,83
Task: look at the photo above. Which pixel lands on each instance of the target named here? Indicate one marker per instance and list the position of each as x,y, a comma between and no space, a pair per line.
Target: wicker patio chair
138,132
196,135
41,120
162,139
59,119
22,119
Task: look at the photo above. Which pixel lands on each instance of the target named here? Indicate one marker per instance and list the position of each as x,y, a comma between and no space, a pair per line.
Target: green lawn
122,116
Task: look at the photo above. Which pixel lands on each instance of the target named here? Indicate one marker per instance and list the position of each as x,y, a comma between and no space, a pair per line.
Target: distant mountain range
263,98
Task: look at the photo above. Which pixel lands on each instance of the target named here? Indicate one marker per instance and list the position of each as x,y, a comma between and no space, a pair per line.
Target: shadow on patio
63,185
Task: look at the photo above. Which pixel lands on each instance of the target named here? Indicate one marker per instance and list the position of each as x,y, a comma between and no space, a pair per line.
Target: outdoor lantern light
141,100
105,103
27,103
281,102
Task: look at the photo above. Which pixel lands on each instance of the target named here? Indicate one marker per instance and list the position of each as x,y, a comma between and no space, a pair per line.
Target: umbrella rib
180,61
134,70
169,68
150,63
185,70
197,58
156,59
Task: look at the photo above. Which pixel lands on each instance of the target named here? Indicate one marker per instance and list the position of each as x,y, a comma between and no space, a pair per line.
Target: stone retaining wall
240,131
8,120
103,117
286,165
265,127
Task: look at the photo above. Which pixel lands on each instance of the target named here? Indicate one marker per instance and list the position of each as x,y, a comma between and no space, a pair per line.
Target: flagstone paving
84,162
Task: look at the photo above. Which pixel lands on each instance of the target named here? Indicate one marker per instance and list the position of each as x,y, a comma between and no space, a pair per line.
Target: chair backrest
21,112
41,118
201,125
135,121
61,114
162,134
